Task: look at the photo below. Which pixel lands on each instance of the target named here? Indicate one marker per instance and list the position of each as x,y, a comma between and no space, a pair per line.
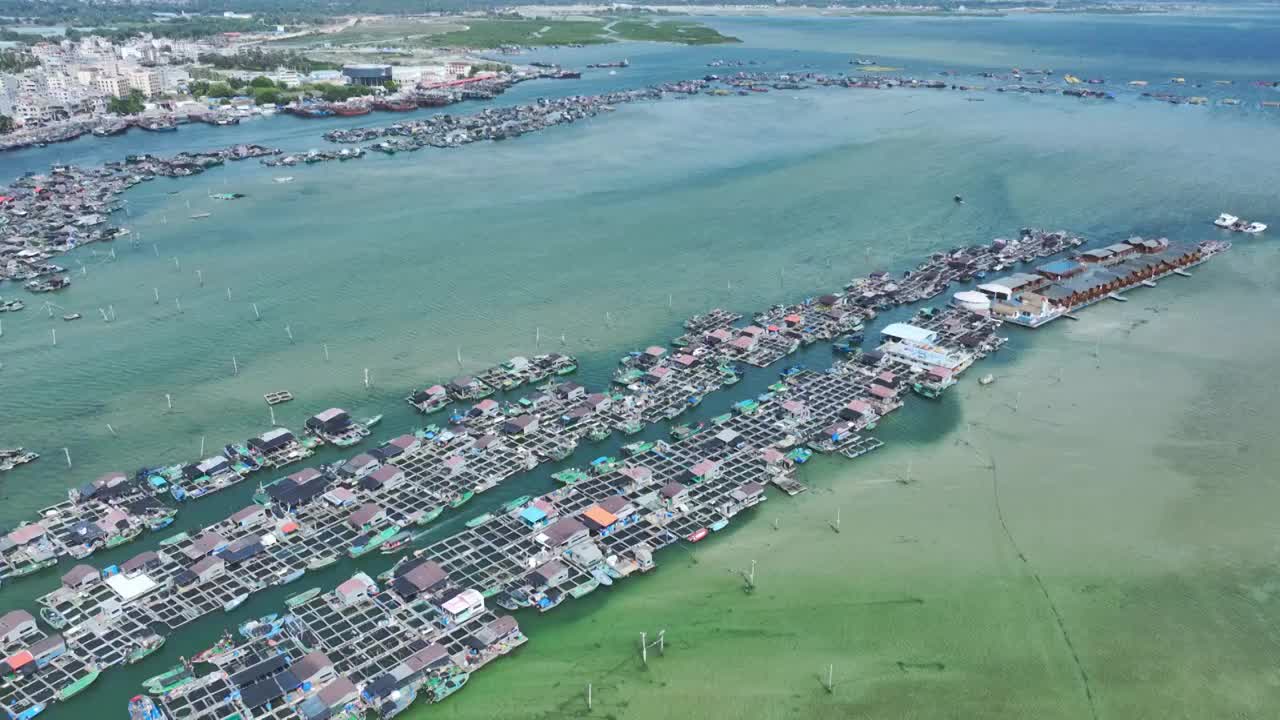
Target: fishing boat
637,448
631,427
77,686
479,520
569,476
322,561
32,567
585,588
449,685
282,180
302,598
225,643
462,499
180,537
598,434
71,316
286,577
697,535
234,602
986,379
262,627
397,543
55,619
227,196
174,677
719,525
429,515
142,707
366,544
30,712
371,421
200,215
517,503
149,645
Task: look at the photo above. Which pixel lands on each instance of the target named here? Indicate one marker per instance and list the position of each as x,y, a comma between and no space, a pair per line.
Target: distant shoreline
749,10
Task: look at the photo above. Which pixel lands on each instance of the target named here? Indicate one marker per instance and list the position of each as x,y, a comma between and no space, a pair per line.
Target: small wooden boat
302,598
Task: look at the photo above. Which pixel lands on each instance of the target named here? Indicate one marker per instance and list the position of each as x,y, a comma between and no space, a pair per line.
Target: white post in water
177,265
644,649
836,525
168,399
67,452
831,677
54,333
112,309
326,352
155,249
202,447
228,294
670,303
751,580
459,357
235,366
273,415
588,696
366,378
662,642
156,291
178,303
257,315
200,277
111,430
537,337
288,331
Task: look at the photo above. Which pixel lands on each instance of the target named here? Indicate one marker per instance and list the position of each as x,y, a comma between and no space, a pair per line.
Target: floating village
417,632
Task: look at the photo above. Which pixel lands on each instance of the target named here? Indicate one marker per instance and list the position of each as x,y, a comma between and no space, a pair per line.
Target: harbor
602,526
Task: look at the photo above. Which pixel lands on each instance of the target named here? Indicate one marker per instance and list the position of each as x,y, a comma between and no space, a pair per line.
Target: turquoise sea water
396,263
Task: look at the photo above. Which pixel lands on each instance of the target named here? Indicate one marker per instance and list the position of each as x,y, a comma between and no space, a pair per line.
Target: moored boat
142,707
77,686
302,598
174,677
147,647
322,561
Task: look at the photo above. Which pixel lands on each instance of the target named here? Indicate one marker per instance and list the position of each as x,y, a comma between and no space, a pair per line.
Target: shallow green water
1146,481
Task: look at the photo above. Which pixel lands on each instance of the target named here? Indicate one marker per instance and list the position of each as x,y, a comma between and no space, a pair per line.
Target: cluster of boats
1230,222
11,458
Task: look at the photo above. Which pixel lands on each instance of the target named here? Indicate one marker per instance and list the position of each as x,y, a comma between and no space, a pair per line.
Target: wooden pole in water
228,294
288,331
830,684
112,309
662,642
54,333
775,523
459,357
200,277
644,650
177,265
235,366
155,249
257,315
273,415
67,452
588,696
366,378
156,292
178,303
326,352
537,337
836,525
111,430
202,446
168,399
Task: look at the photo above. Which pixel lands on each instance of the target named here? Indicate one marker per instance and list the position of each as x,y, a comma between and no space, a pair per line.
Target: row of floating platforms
603,526
185,562
1061,287
115,508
